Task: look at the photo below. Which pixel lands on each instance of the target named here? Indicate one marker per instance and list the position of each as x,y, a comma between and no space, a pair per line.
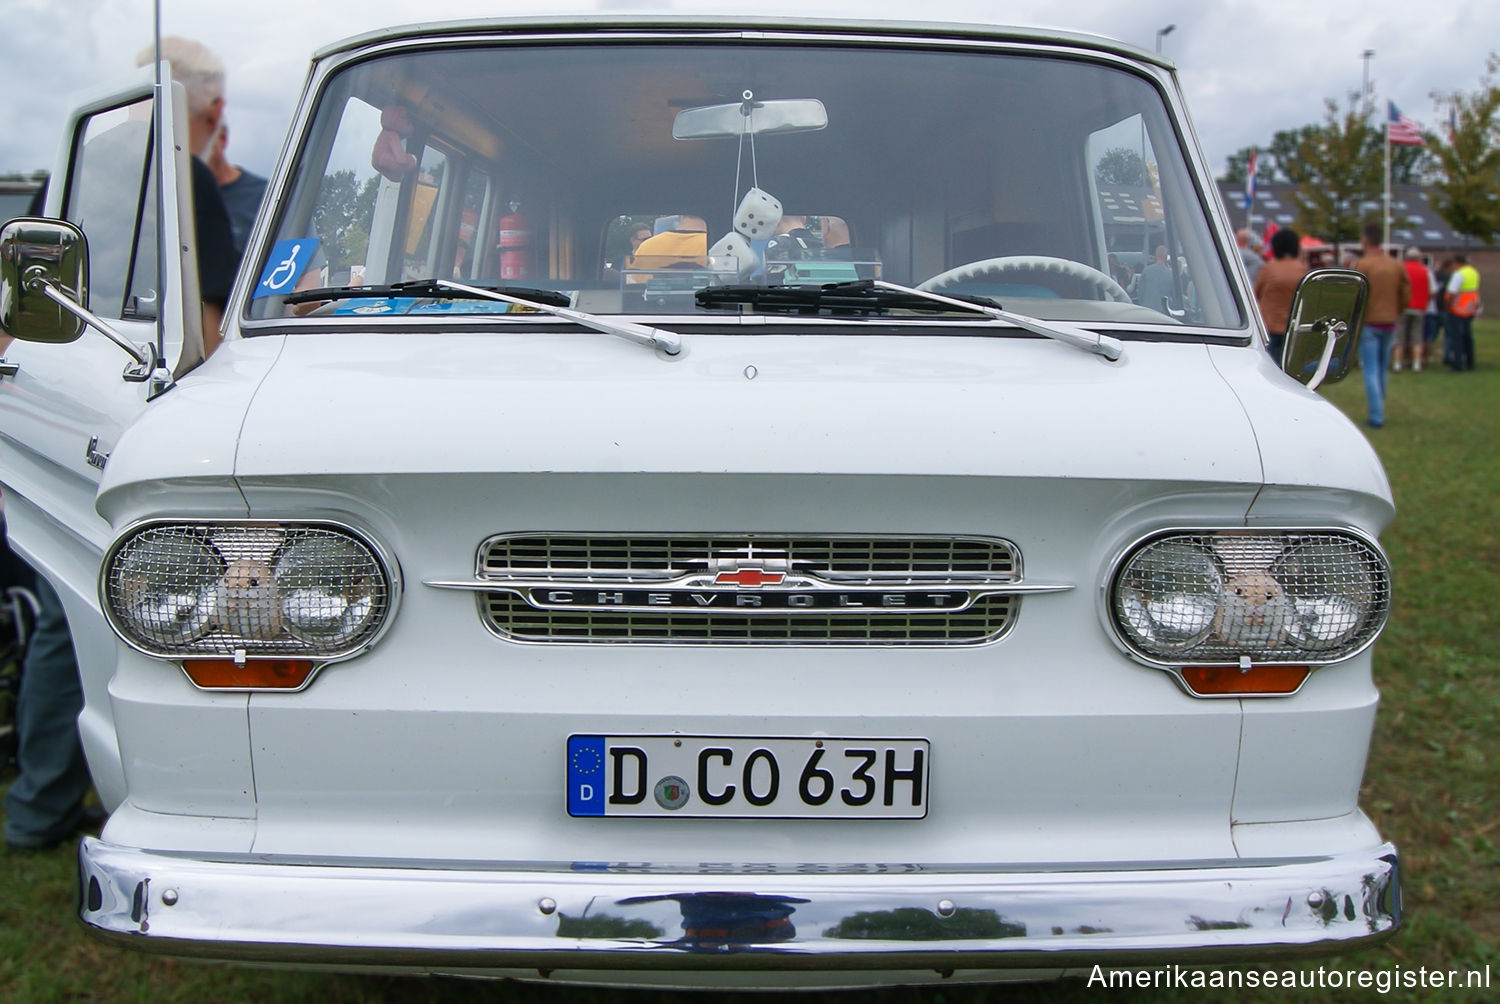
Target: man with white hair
202,77
1249,247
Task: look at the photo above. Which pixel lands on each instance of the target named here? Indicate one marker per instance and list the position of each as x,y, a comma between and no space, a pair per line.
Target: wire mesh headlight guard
303,589
1249,597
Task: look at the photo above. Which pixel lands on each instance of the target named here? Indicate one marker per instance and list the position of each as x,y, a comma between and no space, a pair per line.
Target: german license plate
744,777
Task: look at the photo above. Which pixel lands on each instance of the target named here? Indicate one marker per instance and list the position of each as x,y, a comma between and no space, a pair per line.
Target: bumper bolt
1315,900
169,897
547,905
945,908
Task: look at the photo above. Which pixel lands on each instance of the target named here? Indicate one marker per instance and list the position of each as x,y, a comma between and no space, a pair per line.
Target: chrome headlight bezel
1288,638
239,543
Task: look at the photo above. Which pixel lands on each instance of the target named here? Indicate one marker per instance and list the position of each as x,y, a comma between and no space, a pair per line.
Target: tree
1335,174
1122,166
342,217
1275,161
1468,162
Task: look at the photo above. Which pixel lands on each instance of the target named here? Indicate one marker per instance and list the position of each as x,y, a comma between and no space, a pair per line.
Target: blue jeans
1461,333
45,803
1374,357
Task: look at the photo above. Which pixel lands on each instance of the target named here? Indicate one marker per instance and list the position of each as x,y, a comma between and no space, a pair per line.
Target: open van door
68,392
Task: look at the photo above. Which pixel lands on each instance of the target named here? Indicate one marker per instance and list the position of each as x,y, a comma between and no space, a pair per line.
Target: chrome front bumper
595,918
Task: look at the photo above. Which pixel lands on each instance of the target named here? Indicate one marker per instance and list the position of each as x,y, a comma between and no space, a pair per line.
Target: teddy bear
246,603
1255,611
389,156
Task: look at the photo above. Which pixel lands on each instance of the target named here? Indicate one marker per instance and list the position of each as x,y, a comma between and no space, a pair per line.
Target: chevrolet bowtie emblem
749,578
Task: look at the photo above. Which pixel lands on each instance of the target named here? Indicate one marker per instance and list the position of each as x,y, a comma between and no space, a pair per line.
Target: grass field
1431,784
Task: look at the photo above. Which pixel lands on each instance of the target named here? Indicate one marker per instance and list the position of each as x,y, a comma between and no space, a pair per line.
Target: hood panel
343,404
1306,443
190,433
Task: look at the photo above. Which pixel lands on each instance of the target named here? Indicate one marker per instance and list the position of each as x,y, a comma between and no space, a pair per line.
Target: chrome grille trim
822,590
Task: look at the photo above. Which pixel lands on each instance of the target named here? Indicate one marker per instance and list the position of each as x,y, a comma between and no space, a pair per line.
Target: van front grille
748,590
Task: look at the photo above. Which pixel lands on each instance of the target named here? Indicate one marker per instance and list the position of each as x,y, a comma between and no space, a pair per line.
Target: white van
902,563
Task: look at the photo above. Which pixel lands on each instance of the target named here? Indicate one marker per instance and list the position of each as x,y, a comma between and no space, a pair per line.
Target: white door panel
64,407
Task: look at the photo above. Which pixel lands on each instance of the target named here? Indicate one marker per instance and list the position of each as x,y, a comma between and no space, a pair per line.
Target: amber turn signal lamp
1222,681
252,674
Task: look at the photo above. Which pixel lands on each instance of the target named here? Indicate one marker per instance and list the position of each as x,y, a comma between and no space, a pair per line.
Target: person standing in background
1390,291
1462,296
1249,253
1409,335
1275,285
241,190
1440,277
202,77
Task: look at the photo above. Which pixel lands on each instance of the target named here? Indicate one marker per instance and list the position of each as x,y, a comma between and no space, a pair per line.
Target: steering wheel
994,267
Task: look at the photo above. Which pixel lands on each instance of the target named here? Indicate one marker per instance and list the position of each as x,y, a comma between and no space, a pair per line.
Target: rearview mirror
1323,332
33,255
756,118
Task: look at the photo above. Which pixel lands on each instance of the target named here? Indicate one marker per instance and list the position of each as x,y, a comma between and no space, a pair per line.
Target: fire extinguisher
515,244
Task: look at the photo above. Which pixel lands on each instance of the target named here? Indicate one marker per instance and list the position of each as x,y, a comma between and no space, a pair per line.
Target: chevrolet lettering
786,602
922,574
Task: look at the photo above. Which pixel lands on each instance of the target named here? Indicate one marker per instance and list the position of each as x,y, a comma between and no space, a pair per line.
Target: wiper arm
876,296
859,296
1082,338
653,338
428,288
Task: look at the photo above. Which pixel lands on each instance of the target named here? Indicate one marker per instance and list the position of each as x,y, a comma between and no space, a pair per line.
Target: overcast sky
1248,67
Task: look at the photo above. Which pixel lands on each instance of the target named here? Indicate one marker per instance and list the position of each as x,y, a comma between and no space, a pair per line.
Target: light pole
1162,33
1364,94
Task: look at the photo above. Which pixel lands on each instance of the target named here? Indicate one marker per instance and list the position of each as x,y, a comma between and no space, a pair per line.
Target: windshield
631,176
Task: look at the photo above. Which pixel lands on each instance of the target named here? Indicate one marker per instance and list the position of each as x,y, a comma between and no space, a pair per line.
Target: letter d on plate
585,775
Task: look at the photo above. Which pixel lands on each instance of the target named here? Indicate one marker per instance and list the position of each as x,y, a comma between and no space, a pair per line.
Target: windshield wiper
652,338
1081,338
857,296
874,296
427,289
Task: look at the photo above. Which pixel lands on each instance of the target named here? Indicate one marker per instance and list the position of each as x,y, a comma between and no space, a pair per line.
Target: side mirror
1323,332
35,256
44,294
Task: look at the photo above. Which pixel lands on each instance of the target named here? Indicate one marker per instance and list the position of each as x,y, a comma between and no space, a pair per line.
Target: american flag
1400,130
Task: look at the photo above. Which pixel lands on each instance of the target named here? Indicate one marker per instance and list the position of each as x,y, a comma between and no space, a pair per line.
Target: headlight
165,585
329,588
246,590
1219,599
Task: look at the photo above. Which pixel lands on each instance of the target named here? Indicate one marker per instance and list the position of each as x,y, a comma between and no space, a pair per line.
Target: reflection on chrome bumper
602,917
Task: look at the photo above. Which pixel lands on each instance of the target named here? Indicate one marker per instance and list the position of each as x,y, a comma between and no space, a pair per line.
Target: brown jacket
1274,285
1390,287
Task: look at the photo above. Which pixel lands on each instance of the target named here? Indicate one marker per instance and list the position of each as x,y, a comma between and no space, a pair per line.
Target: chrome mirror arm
147,365
1332,332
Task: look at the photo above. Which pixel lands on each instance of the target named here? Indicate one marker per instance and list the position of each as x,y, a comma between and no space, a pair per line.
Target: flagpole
1385,211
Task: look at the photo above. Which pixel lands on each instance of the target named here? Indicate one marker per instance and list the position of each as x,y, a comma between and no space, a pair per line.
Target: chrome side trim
598,917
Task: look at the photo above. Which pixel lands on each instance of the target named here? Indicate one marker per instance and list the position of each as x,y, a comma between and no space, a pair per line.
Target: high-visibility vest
1465,303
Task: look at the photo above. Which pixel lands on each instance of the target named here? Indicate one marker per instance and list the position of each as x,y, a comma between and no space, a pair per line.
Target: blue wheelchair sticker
289,259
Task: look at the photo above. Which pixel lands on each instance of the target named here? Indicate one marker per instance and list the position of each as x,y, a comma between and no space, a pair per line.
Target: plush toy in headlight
1254,612
245,601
